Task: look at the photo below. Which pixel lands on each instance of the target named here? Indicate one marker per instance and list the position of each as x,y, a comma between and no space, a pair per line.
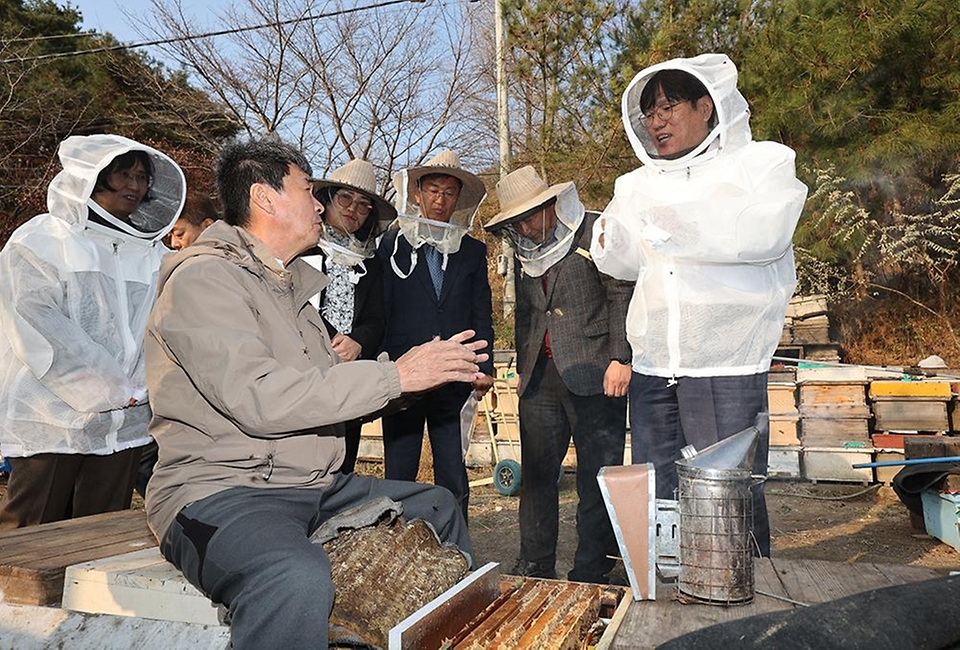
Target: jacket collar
237,245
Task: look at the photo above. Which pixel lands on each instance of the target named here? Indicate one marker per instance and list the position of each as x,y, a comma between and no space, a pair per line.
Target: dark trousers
53,487
403,440
352,440
249,549
549,415
666,416
149,455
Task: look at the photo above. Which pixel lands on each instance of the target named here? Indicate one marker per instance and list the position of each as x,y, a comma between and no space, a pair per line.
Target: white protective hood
84,157
706,237
732,131
74,300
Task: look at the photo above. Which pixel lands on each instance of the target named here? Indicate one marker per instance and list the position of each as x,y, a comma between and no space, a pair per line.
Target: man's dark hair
677,86
199,207
242,164
121,163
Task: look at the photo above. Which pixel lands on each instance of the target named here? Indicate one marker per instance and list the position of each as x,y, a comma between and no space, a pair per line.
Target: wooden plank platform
33,559
141,584
649,623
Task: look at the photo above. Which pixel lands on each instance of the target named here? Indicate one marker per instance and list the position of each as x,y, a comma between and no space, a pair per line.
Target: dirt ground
824,521
841,522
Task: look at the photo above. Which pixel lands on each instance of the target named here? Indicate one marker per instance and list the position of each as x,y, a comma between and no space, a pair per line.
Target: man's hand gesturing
439,362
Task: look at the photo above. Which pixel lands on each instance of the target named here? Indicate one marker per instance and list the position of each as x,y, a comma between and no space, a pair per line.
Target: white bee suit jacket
707,238
74,299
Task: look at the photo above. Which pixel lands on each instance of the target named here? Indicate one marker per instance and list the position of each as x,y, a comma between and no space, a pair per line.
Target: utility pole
506,261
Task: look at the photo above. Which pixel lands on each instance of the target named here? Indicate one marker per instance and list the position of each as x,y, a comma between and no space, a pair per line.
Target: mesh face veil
344,249
537,257
444,236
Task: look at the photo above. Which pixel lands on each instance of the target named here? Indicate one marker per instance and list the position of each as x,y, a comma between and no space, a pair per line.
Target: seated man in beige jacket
248,399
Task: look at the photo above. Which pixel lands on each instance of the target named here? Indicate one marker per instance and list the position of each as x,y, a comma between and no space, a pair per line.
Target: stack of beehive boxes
835,431
806,330
905,408
784,454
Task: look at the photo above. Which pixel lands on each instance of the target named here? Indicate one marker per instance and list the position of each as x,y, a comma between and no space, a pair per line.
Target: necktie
435,265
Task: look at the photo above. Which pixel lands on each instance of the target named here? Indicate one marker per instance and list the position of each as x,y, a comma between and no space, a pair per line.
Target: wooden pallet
648,624
33,559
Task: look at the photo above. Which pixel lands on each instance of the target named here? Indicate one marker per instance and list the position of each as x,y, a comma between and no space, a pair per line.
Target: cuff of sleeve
392,375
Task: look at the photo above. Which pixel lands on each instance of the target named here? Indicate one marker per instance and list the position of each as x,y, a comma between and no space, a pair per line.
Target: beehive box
485,610
889,440
782,398
833,392
910,414
941,516
885,389
784,462
836,464
784,430
885,474
835,432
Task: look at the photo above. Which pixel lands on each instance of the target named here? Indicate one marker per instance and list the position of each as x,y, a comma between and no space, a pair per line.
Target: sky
108,16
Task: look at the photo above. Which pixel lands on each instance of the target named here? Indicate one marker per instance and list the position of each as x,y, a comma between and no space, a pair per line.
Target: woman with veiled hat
352,302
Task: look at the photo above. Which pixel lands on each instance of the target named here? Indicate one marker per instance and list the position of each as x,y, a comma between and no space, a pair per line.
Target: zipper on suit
268,470
129,345
673,319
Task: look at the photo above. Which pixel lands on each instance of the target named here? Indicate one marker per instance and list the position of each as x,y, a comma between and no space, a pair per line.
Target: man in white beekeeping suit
76,287
704,227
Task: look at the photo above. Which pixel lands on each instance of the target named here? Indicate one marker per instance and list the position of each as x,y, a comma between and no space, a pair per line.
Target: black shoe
533,570
584,576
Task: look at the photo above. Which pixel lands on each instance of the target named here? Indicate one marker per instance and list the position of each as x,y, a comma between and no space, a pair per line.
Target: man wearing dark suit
435,281
573,359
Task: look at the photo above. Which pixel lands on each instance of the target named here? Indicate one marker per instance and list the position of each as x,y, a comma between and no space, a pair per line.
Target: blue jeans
249,549
698,411
549,415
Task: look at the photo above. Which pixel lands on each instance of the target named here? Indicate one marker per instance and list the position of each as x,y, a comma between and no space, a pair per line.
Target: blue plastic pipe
912,461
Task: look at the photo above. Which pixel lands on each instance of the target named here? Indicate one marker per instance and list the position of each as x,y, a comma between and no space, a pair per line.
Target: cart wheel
506,477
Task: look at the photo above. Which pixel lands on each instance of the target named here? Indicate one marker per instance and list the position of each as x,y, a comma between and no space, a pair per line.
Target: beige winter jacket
242,378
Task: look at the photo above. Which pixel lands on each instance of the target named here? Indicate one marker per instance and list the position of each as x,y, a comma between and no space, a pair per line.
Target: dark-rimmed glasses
662,113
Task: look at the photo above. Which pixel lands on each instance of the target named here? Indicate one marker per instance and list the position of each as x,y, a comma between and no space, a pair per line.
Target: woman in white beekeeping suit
76,287
704,228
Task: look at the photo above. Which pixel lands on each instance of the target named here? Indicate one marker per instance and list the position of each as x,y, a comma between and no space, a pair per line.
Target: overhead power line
193,37
50,37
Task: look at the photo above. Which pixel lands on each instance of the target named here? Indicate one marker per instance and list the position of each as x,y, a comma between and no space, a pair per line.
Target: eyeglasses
449,194
662,113
126,176
361,206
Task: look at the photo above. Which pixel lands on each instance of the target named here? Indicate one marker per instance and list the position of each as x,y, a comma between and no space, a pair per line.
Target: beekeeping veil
350,249
522,191
77,292
420,231
731,129
84,157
